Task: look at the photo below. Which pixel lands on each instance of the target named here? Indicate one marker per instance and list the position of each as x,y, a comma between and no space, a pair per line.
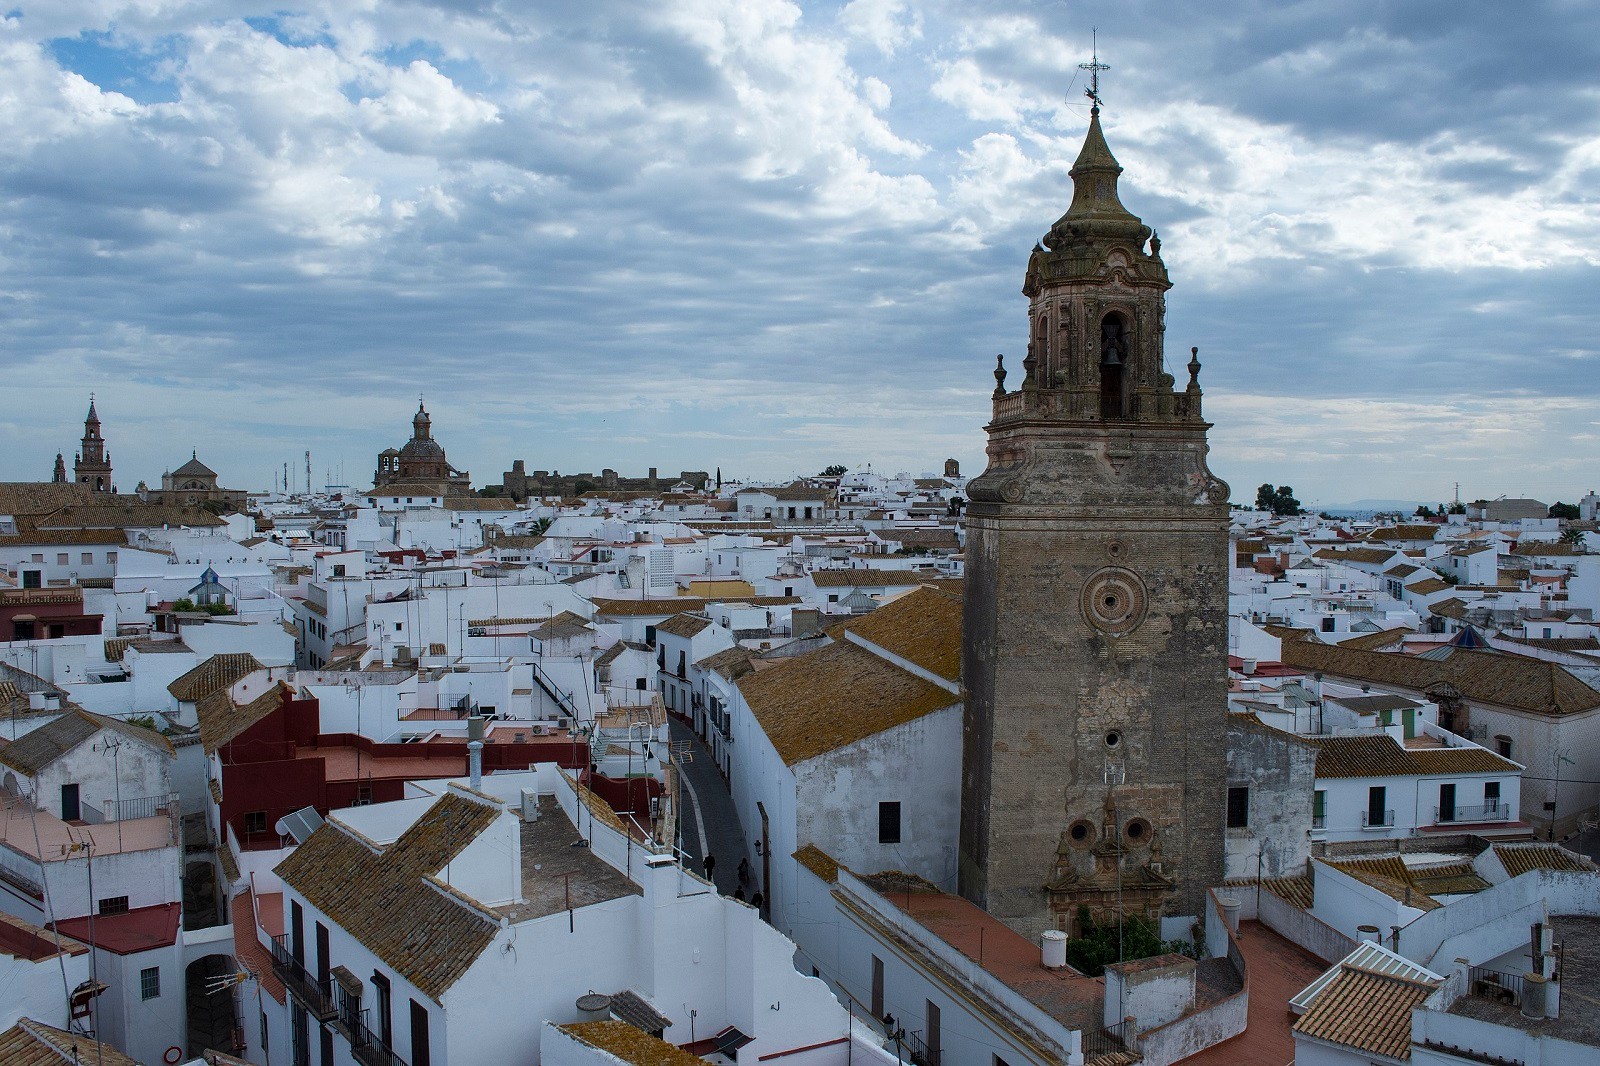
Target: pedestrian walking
738,894
755,901
744,871
710,863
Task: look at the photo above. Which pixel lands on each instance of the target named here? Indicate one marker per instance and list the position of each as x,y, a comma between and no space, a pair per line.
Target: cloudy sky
770,236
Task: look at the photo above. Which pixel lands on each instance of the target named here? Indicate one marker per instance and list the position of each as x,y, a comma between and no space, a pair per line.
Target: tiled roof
818,862
923,627
221,719
35,750
26,498
1480,676
1369,556
1389,875
1377,755
1297,891
1370,1012
1454,879
100,514
866,579
1429,586
217,672
732,663
387,900
31,1043
1373,641
835,696
674,604
1520,858
683,625
1414,531
109,537
631,1045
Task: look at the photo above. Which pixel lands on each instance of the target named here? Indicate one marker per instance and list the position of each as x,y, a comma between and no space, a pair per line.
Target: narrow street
706,817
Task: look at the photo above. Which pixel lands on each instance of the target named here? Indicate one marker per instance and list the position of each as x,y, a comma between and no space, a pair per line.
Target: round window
1137,830
1081,832
1113,739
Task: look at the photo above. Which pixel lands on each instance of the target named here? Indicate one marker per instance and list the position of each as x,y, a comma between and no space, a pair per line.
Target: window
1502,746
88,557
421,1053
1447,802
889,822
150,983
111,557
650,634
255,821
38,557
1491,797
1377,802
63,558
833,598
114,905
397,627
32,579
877,987
931,1031
380,997
1319,809
264,1041
338,570
1327,625
1238,807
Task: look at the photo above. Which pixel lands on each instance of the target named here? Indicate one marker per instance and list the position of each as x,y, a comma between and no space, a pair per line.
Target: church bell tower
92,465
1094,772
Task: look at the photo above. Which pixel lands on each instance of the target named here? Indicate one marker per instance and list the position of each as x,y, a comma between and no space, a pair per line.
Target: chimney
475,750
1367,934
1247,667
1053,949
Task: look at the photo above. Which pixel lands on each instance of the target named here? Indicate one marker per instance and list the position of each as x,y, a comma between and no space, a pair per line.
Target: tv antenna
1094,67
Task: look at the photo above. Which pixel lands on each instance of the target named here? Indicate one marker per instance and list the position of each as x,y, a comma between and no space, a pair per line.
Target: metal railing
316,995
920,1052
1099,1042
1319,821
1497,985
368,1048
142,807
1368,821
1483,812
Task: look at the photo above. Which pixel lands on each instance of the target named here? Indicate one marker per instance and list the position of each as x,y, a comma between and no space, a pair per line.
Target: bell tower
92,465
1095,643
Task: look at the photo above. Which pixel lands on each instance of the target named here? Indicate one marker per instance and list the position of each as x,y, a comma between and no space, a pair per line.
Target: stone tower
92,465
1095,648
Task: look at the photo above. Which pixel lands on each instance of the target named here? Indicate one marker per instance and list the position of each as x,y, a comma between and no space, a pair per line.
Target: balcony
367,1047
919,1051
1493,811
1377,819
316,995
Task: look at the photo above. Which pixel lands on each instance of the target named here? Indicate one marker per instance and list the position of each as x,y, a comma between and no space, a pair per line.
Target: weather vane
1094,67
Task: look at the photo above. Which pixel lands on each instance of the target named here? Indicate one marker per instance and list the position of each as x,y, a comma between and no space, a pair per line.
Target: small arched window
1114,358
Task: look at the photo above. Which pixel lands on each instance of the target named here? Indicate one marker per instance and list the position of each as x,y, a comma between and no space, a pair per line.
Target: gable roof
217,672
1366,1010
31,1043
35,750
222,719
1377,755
388,899
1520,858
833,697
1481,676
922,627
683,624
866,579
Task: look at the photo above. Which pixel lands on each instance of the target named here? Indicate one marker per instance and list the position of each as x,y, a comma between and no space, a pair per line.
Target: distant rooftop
1580,989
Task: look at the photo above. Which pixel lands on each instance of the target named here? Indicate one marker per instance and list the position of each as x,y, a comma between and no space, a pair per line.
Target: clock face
1114,600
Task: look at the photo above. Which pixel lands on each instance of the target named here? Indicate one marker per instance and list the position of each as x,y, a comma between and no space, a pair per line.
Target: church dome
422,448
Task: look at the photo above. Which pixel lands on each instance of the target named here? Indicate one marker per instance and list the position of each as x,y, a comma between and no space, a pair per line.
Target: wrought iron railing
316,994
1484,812
1497,985
1319,821
142,807
1098,1042
1377,819
920,1052
369,1048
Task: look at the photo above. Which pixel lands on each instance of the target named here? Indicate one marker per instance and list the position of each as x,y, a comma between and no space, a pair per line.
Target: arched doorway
212,1005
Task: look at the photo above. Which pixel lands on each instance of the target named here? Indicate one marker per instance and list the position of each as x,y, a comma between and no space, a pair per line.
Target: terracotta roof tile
386,899
923,627
629,1044
1377,755
1520,858
835,696
1481,676
222,719
1367,1011
683,625
217,672
818,862
38,748
31,1043
866,579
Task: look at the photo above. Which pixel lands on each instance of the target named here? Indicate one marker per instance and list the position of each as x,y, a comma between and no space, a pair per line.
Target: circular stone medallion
1114,600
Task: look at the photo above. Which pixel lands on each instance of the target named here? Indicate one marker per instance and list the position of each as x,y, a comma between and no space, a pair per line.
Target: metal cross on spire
1094,67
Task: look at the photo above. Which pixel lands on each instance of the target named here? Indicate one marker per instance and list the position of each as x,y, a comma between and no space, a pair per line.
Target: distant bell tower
59,477
1094,773
92,465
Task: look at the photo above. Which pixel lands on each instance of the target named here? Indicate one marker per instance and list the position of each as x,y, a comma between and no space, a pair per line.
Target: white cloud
887,25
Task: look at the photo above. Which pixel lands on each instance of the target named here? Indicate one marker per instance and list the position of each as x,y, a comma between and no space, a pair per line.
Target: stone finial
999,376
1194,368
1155,244
1030,365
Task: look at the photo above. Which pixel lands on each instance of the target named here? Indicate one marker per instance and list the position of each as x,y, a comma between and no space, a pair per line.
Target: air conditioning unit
538,730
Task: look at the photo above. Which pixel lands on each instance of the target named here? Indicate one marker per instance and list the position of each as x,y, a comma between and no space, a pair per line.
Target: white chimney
1247,667
475,750
1053,949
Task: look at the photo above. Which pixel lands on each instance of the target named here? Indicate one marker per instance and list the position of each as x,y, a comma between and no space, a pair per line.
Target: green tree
1569,511
1098,945
1280,501
540,525
1572,536
1458,508
836,470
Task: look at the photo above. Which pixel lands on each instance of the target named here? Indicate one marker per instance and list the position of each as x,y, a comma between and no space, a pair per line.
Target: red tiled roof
247,945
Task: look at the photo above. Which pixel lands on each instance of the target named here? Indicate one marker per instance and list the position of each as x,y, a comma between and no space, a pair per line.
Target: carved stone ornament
1115,600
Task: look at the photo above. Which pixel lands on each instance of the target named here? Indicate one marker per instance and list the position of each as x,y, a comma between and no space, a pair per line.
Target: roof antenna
1094,67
